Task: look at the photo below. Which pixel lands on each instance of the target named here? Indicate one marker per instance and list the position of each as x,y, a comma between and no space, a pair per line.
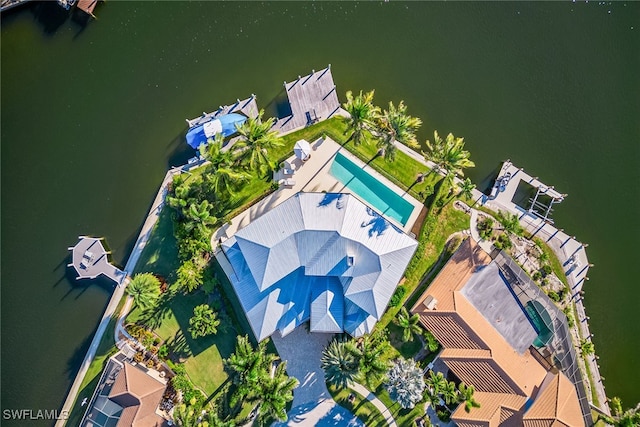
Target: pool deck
312,176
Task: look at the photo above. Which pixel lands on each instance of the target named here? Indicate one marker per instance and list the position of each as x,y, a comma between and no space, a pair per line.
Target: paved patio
312,403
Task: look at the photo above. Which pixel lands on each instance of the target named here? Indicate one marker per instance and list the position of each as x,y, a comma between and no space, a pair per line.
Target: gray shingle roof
326,250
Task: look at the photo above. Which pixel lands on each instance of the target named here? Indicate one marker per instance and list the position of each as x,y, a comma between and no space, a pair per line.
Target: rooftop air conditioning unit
430,302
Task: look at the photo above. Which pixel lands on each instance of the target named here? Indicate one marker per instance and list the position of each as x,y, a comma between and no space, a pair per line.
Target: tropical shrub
485,228
190,276
204,321
398,295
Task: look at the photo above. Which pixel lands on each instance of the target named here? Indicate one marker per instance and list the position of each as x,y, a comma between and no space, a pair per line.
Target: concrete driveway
312,403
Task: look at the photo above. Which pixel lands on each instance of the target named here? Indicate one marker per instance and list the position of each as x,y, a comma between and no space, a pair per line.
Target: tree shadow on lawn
153,317
182,344
406,349
160,255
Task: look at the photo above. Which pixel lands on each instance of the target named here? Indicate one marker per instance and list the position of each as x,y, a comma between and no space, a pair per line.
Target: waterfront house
326,258
488,339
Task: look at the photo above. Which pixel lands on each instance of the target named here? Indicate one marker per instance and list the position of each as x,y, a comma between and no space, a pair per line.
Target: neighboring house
127,395
323,257
487,339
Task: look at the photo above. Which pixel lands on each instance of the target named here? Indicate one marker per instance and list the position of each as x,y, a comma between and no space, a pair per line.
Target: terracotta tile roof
479,355
451,330
554,404
139,394
496,409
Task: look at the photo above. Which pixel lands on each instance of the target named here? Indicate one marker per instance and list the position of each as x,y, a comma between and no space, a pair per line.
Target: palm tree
190,276
257,139
466,396
586,347
369,352
430,341
249,366
219,174
410,324
465,189
455,157
145,290
435,152
436,382
620,418
405,383
450,157
180,198
340,366
449,392
198,217
272,395
185,416
395,125
510,223
362,114
204,321
212,420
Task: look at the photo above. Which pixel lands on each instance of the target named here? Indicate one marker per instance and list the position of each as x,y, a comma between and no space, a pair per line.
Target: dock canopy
225,125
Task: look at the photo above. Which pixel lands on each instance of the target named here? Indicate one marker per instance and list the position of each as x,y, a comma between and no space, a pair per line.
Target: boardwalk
312,98
248,107
89,259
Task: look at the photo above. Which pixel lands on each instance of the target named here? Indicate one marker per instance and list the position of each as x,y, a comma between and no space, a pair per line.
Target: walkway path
386,413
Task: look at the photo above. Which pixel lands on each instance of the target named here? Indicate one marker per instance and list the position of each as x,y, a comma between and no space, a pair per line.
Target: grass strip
359,406
106,349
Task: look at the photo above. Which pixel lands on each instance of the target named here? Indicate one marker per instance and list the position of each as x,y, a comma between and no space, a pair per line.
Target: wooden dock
248,107
312,98
87,6
10,4
90,260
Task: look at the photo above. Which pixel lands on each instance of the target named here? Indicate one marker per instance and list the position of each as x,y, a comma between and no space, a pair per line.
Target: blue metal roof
324,257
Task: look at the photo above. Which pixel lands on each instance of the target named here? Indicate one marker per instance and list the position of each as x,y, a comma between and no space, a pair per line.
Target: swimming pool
369,189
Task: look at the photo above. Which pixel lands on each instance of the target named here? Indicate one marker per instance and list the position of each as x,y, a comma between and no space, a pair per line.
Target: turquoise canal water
372,191
92,117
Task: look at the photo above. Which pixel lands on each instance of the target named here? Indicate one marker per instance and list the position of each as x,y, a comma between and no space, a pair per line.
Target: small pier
248,107
312,98
10,4
89,258
87,6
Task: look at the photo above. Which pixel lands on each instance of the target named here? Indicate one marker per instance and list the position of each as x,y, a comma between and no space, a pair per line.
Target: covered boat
225,125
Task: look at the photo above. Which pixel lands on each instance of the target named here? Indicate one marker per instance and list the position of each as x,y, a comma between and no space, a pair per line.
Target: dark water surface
92,117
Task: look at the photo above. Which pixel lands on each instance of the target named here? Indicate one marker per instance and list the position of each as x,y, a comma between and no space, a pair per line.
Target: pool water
369,189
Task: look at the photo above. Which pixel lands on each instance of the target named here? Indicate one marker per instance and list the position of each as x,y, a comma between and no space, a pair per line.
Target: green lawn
360,407
160,255
556,265
405,349
403,417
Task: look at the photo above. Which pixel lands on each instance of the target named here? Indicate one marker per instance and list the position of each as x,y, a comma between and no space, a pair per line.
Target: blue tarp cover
196,136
